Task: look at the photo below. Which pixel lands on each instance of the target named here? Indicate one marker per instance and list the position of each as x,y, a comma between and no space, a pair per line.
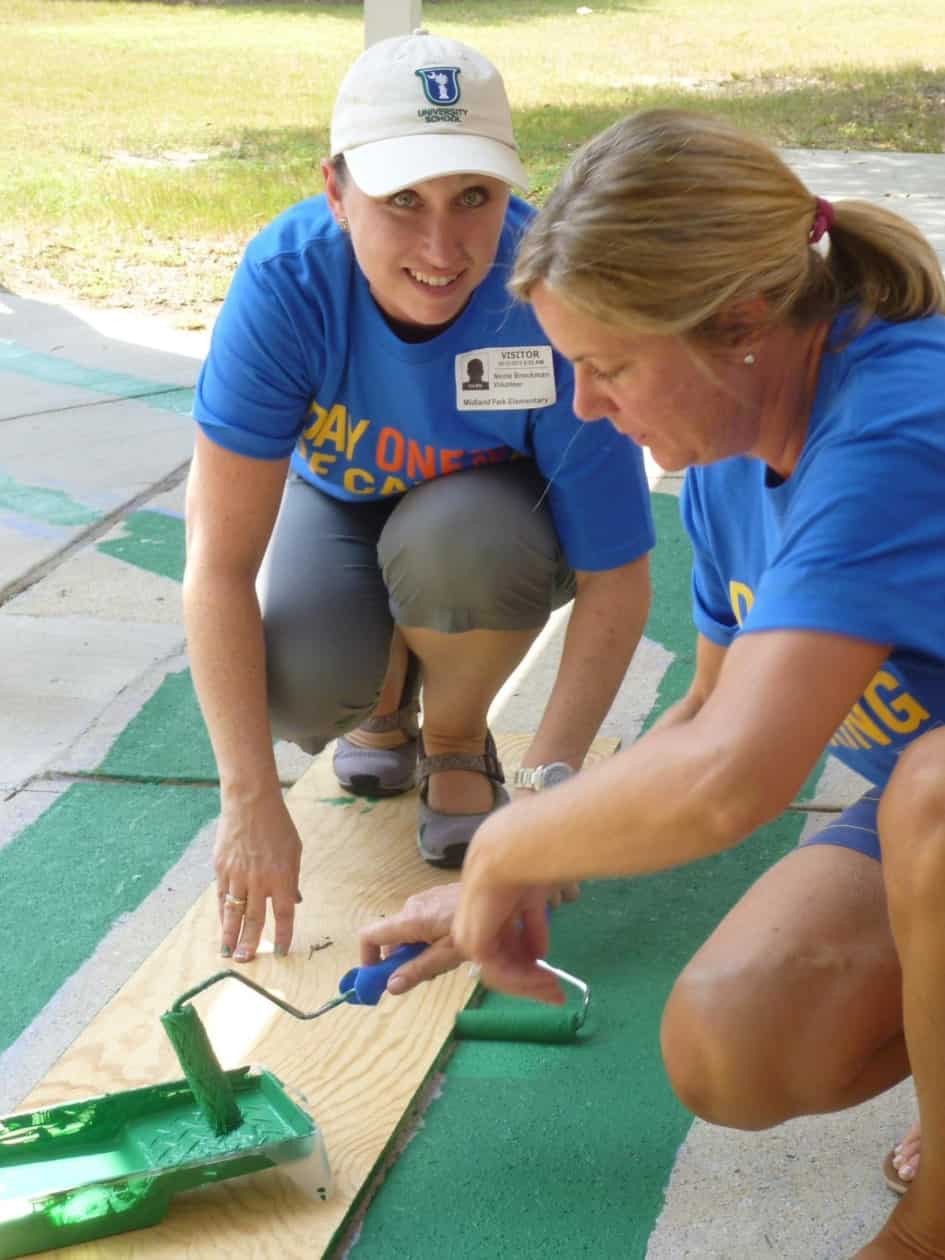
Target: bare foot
905,1159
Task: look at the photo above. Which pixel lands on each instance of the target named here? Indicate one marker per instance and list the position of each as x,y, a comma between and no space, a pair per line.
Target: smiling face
687,407
423,249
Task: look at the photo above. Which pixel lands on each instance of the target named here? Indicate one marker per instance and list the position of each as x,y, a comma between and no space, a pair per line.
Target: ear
332,189
742,321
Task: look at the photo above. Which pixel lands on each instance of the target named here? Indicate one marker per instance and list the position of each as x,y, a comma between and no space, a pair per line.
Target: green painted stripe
153,541
56,371
94,855
166,739
39,503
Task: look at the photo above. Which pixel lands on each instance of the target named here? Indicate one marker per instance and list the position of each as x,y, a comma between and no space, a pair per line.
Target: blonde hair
664,222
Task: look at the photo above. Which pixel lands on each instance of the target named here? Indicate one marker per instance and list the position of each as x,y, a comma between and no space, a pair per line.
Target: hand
256,857
563,893
426,916
504,929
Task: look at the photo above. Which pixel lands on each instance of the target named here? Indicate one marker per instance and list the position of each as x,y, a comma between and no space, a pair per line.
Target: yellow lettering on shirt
320,462
355,434
393,485
903,713
357,481
741,598
861,726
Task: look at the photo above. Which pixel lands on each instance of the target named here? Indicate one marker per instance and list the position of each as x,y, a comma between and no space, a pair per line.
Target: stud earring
749,359
343,224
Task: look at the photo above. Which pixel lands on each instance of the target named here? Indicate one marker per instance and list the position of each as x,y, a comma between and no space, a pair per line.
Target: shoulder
880,385
304,241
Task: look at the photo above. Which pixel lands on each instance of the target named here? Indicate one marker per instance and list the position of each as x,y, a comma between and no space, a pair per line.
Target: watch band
539,778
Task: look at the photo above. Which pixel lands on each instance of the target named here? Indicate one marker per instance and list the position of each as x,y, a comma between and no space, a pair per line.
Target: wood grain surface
356,1068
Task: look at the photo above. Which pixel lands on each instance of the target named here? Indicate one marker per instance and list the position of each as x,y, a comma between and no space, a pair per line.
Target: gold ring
235,902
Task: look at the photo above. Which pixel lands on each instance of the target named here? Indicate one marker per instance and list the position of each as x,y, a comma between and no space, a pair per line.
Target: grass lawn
143,144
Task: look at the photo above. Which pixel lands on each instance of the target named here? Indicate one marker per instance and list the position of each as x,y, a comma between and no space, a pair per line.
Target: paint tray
104,1165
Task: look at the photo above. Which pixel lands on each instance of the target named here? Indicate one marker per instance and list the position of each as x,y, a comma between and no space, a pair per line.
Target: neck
789,398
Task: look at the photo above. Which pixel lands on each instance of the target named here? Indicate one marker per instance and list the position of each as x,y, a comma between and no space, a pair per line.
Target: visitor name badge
505,378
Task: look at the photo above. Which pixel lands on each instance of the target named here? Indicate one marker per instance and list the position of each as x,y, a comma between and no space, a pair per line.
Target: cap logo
440,84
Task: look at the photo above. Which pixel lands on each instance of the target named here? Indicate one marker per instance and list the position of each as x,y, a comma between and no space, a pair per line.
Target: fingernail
279,951
905,1172
241,955
396,984
897,1148
226,952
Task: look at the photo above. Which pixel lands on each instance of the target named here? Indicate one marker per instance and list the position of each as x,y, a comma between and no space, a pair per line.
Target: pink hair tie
824,219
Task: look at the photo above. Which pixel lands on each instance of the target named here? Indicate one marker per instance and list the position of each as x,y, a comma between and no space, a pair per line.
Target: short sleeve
258,380
711,607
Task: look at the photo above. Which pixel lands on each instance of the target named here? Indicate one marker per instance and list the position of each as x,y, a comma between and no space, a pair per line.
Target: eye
472,198
406,199
600,375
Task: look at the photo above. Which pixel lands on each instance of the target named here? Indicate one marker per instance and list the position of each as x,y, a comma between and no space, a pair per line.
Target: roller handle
367,985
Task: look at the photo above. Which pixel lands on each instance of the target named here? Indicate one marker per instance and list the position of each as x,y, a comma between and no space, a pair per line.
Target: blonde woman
789,354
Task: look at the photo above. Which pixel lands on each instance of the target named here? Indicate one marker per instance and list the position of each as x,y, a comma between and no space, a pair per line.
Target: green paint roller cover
208,1082
548,1024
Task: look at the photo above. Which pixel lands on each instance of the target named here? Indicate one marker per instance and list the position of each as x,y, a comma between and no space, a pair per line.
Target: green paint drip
56,371
209,1083
153,541
39,503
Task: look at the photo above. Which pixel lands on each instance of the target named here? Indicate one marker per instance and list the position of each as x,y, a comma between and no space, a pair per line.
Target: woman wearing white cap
370,374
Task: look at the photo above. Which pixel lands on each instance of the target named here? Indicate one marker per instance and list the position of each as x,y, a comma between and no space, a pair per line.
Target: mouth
435,284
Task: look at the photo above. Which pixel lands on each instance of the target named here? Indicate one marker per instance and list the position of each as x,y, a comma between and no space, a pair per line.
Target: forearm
604,629
669,799
227,654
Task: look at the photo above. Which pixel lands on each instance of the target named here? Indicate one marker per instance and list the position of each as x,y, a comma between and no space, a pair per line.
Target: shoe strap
486,763
405,720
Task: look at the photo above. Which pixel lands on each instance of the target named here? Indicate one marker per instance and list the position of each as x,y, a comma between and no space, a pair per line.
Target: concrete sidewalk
95,439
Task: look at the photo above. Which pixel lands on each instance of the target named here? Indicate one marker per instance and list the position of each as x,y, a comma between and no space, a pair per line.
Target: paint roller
209,1084
527,1021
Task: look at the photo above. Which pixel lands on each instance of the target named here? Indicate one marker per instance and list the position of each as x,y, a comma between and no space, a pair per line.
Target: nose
590,401
442,244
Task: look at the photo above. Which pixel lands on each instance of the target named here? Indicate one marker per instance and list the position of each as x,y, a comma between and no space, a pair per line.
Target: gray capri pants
475,550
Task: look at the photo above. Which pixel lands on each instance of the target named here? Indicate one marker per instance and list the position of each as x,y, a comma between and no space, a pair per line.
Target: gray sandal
383,771
444,838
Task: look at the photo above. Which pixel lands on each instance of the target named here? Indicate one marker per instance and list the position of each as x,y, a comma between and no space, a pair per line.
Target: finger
283,910
232,906
384,935
534,930
518,980
441,956
254,920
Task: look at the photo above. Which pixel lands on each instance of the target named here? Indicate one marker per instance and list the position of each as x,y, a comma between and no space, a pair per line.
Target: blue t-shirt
303,361
853,542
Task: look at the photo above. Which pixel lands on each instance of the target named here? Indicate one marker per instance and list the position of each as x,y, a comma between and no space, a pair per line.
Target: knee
911,823
715,1055
481,570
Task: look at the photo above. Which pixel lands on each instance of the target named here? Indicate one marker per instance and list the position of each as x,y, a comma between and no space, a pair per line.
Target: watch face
557,772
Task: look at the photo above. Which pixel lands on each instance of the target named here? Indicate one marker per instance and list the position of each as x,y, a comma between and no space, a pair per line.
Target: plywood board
358,1068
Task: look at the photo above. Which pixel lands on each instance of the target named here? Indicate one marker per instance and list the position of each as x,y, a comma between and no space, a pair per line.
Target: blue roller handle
367,985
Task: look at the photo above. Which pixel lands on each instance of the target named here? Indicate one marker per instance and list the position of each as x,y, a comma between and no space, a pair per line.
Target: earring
342,224
749,359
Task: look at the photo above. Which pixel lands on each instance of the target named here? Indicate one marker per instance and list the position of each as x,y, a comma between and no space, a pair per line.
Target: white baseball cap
415,107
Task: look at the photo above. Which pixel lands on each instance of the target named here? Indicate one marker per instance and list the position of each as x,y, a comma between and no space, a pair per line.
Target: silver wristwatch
540,777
